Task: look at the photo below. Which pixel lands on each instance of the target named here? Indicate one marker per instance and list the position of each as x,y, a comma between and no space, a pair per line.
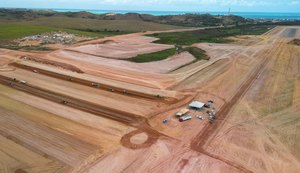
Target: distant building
196,105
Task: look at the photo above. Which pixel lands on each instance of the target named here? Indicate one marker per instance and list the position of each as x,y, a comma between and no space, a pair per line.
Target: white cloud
294,3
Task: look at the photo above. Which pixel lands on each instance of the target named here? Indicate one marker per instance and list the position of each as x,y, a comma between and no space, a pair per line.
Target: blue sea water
251,15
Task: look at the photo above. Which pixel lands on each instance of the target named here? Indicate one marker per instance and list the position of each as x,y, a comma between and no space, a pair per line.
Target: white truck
23,82
185,118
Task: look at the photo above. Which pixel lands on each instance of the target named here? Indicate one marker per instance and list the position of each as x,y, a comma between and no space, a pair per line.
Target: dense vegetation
187,20
212,35
156,56
199,54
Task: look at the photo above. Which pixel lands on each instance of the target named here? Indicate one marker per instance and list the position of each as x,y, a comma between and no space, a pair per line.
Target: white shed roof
197,104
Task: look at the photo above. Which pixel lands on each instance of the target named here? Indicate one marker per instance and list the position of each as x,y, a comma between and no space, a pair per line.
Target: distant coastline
250,15
247,15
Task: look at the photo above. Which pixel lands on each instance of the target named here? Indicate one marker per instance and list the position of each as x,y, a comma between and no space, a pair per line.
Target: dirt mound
295,42
53,63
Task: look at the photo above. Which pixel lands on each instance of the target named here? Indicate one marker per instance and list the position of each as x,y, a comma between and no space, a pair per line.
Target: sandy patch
139,138
122,48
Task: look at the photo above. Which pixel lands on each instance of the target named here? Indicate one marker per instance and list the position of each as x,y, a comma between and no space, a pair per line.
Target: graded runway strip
128,92
141,123
124,117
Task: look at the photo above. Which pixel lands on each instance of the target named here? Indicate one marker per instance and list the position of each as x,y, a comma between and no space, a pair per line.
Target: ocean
251,15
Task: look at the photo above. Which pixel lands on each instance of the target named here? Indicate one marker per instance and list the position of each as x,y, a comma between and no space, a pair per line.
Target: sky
162,5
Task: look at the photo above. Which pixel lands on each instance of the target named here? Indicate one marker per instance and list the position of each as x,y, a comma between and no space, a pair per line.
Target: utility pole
229,10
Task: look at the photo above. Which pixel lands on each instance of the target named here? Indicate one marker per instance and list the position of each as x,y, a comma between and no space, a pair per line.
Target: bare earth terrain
85,108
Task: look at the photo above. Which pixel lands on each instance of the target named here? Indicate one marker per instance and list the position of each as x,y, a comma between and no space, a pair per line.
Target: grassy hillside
216,35
188,20
94,24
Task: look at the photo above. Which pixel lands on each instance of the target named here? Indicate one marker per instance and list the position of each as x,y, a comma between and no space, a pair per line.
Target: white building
196,105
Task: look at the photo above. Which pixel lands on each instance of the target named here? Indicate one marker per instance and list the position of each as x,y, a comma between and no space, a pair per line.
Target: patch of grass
105,32
95,24
213,35
199,54
156,56
13,31
295,42
36,48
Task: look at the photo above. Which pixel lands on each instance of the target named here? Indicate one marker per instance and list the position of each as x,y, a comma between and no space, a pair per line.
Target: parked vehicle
165,121
23,82
185,118
200,117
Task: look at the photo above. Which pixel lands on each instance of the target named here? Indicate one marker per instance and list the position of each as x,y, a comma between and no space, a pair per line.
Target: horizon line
42,8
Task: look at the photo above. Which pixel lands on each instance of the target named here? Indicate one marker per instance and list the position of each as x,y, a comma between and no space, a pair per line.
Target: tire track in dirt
139,122
122,91
205,136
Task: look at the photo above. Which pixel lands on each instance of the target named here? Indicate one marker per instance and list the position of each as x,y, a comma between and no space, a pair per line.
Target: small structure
182,112
196,105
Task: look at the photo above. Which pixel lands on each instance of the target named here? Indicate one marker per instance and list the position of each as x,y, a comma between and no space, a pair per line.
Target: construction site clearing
85,108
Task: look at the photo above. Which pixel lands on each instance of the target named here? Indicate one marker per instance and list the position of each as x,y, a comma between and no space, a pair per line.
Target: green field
15,30
12,31
214,35
199,54
156,56
94,24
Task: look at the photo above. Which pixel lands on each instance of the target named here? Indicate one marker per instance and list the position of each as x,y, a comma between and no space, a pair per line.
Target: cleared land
57,119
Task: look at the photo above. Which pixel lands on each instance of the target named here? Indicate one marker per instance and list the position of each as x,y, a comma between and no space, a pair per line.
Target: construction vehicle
165,121
211,119
23,82
209,103
200,117
211,113
185,118
182,112
211,116
96,85
64,102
